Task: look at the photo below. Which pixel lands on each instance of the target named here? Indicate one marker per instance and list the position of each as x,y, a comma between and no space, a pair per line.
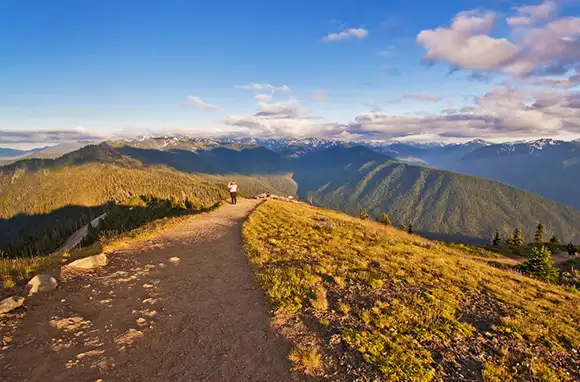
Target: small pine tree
410,229
509,241
539,236
555,240
496,242
403,228
539,265
518,238
385,219
364,215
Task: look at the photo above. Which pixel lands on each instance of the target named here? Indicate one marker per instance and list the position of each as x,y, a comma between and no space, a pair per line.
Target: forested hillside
437,203
42,201
442,204
546,167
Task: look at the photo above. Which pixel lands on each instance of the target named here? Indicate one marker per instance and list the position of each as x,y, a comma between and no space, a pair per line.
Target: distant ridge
437,203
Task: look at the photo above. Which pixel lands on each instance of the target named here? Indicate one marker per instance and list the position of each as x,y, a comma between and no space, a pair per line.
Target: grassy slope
42,191
361,299
436,201
97,174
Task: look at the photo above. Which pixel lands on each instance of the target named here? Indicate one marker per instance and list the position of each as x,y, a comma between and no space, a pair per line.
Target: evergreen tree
364,215
496,242
410,229
555,240
539,236
539,265
385,219
518,238
403,228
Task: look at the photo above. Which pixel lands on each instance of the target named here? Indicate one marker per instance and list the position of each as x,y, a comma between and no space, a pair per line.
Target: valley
439,204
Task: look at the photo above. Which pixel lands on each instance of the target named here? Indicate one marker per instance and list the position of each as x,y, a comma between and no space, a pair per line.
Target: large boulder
10,304
41,283
89,262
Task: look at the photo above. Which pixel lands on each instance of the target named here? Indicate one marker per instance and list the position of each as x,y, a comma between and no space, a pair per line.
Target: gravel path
181,307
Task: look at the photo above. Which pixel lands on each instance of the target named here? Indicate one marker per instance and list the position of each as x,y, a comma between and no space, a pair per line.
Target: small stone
10,304
89,262
174,260
141,321
41,283
148,286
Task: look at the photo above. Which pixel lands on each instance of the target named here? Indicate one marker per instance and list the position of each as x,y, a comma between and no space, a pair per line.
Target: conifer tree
385,219
539,236
555,240
518,238
364,215
539,265
410,229
496,242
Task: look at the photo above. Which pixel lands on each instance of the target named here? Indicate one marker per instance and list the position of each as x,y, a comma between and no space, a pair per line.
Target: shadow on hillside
28,235
453,238
42,234
251,161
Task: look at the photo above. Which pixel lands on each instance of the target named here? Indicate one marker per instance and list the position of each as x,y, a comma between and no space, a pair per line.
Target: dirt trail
148,316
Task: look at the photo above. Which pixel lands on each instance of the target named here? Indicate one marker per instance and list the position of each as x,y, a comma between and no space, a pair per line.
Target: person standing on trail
571,249
233,188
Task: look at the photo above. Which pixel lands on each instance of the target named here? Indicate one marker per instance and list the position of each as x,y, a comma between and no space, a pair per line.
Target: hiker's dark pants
234,197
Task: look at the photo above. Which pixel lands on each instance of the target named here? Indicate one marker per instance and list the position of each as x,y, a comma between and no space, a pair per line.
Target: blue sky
77,69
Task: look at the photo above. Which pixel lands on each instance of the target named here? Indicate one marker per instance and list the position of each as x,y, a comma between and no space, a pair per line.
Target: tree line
517,238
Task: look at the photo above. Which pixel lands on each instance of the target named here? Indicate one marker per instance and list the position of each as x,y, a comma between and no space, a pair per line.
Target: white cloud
198,102
466,44
262,97
359,33
43,136
501,113
264,87
288,109
422,97
282,119
531,14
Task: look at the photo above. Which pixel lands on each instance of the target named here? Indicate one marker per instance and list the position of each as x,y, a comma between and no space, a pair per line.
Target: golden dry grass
385,304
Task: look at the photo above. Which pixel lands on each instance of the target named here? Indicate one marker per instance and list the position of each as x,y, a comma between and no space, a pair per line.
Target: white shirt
233,187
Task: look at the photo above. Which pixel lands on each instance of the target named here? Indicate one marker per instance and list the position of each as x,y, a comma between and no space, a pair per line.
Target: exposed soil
181,307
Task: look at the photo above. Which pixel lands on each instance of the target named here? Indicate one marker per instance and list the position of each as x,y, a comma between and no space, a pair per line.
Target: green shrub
539,265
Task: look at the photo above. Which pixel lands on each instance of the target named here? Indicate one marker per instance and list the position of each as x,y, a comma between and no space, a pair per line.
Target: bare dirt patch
148,316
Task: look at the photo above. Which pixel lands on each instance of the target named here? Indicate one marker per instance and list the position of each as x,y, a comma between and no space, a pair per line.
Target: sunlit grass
398,299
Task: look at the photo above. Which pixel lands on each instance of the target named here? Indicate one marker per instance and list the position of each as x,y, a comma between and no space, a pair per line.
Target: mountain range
8,156
439,204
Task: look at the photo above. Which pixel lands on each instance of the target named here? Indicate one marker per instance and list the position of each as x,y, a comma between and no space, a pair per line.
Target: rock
10,304
174,260
89,262
41,283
